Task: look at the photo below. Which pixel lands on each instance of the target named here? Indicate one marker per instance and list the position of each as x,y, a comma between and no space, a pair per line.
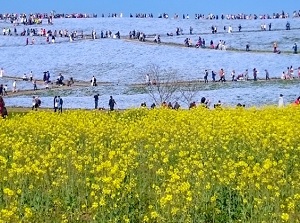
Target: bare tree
161,84
188,91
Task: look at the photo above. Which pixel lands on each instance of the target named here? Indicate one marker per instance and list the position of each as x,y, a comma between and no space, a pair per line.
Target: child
5,90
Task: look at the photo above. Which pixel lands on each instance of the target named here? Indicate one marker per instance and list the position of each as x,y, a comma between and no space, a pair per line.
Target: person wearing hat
280,101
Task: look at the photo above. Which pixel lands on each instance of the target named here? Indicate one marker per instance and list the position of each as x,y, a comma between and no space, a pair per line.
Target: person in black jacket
111,103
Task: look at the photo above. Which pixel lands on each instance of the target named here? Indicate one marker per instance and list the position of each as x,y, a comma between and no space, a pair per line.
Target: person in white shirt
1,72
148,81
25,77
31,76
33,103
94,81
291,72
5,90
14,86
280,101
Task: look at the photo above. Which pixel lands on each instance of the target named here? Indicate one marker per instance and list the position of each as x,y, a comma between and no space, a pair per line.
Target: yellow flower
95,205
8,192
213,198
28,213
154,215
285,216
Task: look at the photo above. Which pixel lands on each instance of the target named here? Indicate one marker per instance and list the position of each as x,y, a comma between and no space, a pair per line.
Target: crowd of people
37,18
33,18
45,80
220,75
50,36
212,75
135,34
109,34
211,16
27,19
204,103
238,16
221,44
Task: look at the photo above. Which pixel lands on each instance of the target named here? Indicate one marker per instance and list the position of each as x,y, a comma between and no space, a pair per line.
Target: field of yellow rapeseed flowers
231,165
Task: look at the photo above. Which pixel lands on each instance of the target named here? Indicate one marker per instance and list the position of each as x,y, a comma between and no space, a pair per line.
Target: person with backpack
111,103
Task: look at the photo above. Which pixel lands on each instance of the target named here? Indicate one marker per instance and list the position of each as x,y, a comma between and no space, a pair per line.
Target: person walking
233,75
14,86
267,74
291,72
1,72
148,81
205,76
111,103
255,74
60,104
31,76
94,81
246,77
96,97
5,90
34,85
34,103
222,75
247,47
213,75
55,103
191,30
295,48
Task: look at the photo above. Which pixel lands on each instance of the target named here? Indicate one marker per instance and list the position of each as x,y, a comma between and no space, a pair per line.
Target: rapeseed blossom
230,165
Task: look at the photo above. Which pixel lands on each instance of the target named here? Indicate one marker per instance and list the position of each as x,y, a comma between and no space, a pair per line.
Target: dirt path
84,84
52,87
172,44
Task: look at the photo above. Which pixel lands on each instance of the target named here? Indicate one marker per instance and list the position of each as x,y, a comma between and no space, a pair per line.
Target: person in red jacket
297,101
